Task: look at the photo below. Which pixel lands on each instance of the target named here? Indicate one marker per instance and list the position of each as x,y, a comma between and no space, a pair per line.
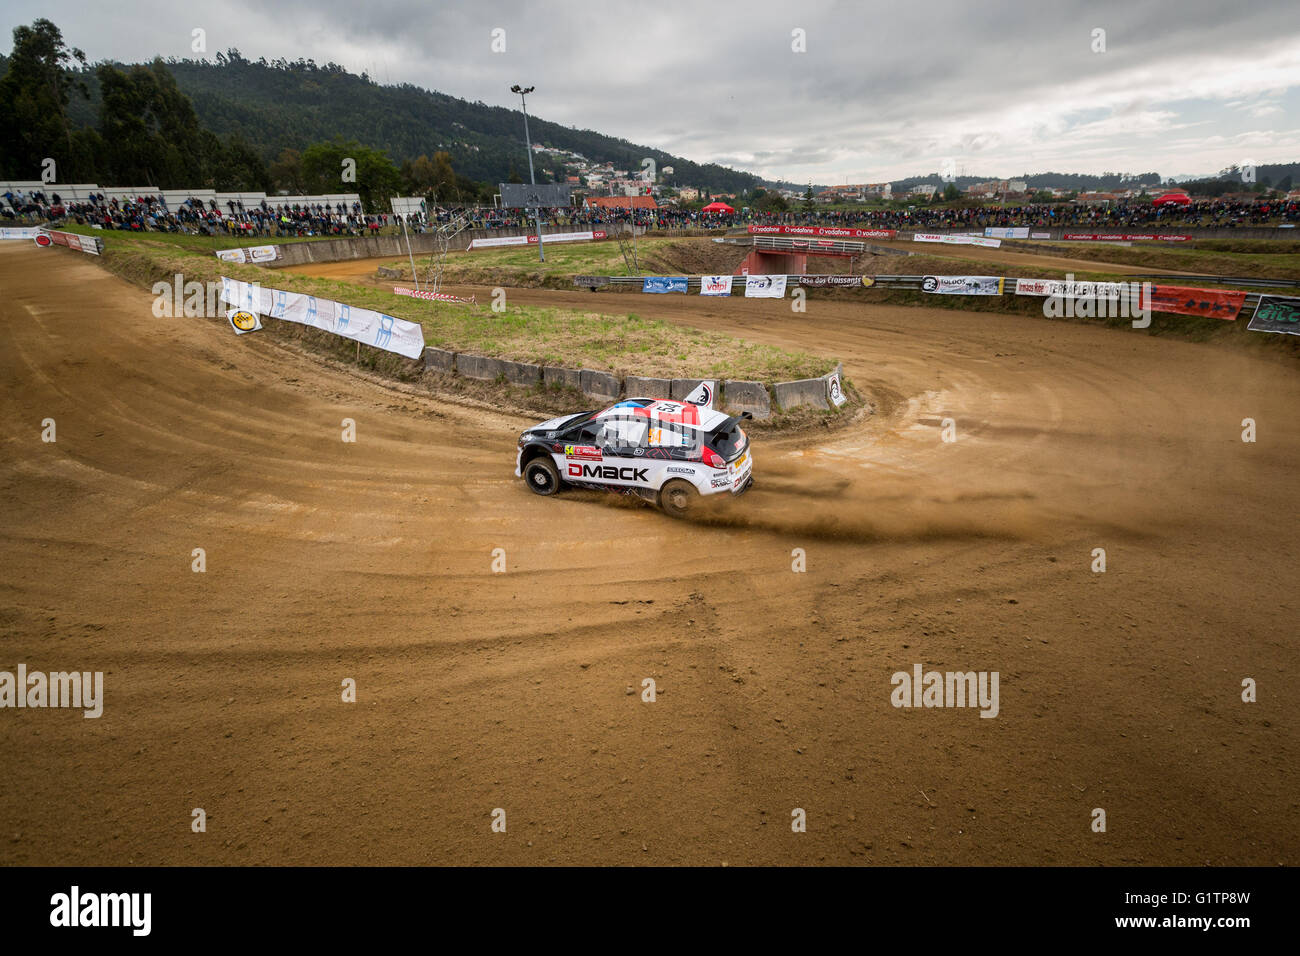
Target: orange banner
1215,303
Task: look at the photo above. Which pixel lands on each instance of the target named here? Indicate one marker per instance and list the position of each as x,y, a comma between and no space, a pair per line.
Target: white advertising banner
956,240
588,236
1007,232
765,287
962,285
251,254
362,325
1071,289
715,285
11,232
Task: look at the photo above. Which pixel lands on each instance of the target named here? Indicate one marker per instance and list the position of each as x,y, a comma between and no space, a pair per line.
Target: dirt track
328,560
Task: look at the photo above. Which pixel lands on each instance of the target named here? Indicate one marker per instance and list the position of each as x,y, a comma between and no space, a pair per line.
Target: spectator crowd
194,216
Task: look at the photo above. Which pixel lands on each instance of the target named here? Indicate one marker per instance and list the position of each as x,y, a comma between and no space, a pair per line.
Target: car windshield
578,420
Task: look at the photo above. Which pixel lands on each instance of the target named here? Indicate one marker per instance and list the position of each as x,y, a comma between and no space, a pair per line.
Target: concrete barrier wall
375,247
731,396
423,244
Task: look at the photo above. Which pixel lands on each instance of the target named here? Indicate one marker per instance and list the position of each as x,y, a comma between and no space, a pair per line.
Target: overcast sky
884,90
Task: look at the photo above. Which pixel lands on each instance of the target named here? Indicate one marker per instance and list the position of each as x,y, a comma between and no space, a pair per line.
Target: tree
808,199
418,176
286,171
34,97
950,192
444,178
239,169
151,133
339,166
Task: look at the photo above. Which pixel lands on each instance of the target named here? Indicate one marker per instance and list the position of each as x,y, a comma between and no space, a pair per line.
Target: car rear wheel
678,498
542,477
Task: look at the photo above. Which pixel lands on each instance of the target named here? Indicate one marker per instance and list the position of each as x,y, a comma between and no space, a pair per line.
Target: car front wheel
542,477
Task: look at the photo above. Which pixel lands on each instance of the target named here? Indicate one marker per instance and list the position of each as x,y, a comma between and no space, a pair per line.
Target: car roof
683,413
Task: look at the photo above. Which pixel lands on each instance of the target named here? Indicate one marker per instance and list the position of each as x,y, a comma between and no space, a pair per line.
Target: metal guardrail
1253,281
904,283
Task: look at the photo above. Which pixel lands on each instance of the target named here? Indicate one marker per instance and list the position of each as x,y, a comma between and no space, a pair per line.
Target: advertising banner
1276,313
822,281
715,285
824,232
1123,237
1214,303
534,195
956,240
72,240
18,232
833,390
243,321
251,254
1040,235
362,325
765,287
1071,289
963,285
1007,232
661,284
587,236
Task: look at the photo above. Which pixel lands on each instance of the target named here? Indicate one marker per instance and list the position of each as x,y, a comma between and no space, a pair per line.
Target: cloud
883,91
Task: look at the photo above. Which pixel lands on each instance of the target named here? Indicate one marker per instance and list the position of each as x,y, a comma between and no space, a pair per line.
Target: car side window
667,435
587,434
624,433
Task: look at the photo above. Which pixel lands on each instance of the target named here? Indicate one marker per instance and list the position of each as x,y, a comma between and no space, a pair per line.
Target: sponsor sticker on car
582,452
606,472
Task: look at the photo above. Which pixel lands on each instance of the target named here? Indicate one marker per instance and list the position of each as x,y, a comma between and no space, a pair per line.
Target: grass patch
619,343
190,243
1252,258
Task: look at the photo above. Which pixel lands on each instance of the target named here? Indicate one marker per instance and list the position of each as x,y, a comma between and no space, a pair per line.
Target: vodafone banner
532,240
1124,236
825,232
73,241
362,325
251,254
956,240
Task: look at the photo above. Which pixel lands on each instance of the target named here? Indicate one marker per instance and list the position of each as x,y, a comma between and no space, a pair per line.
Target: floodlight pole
532,178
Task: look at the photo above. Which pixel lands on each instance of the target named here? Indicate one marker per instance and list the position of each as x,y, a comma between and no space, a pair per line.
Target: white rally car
666,451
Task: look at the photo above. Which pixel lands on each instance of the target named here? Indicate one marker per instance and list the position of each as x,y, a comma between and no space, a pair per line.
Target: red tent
718,207
1180,198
